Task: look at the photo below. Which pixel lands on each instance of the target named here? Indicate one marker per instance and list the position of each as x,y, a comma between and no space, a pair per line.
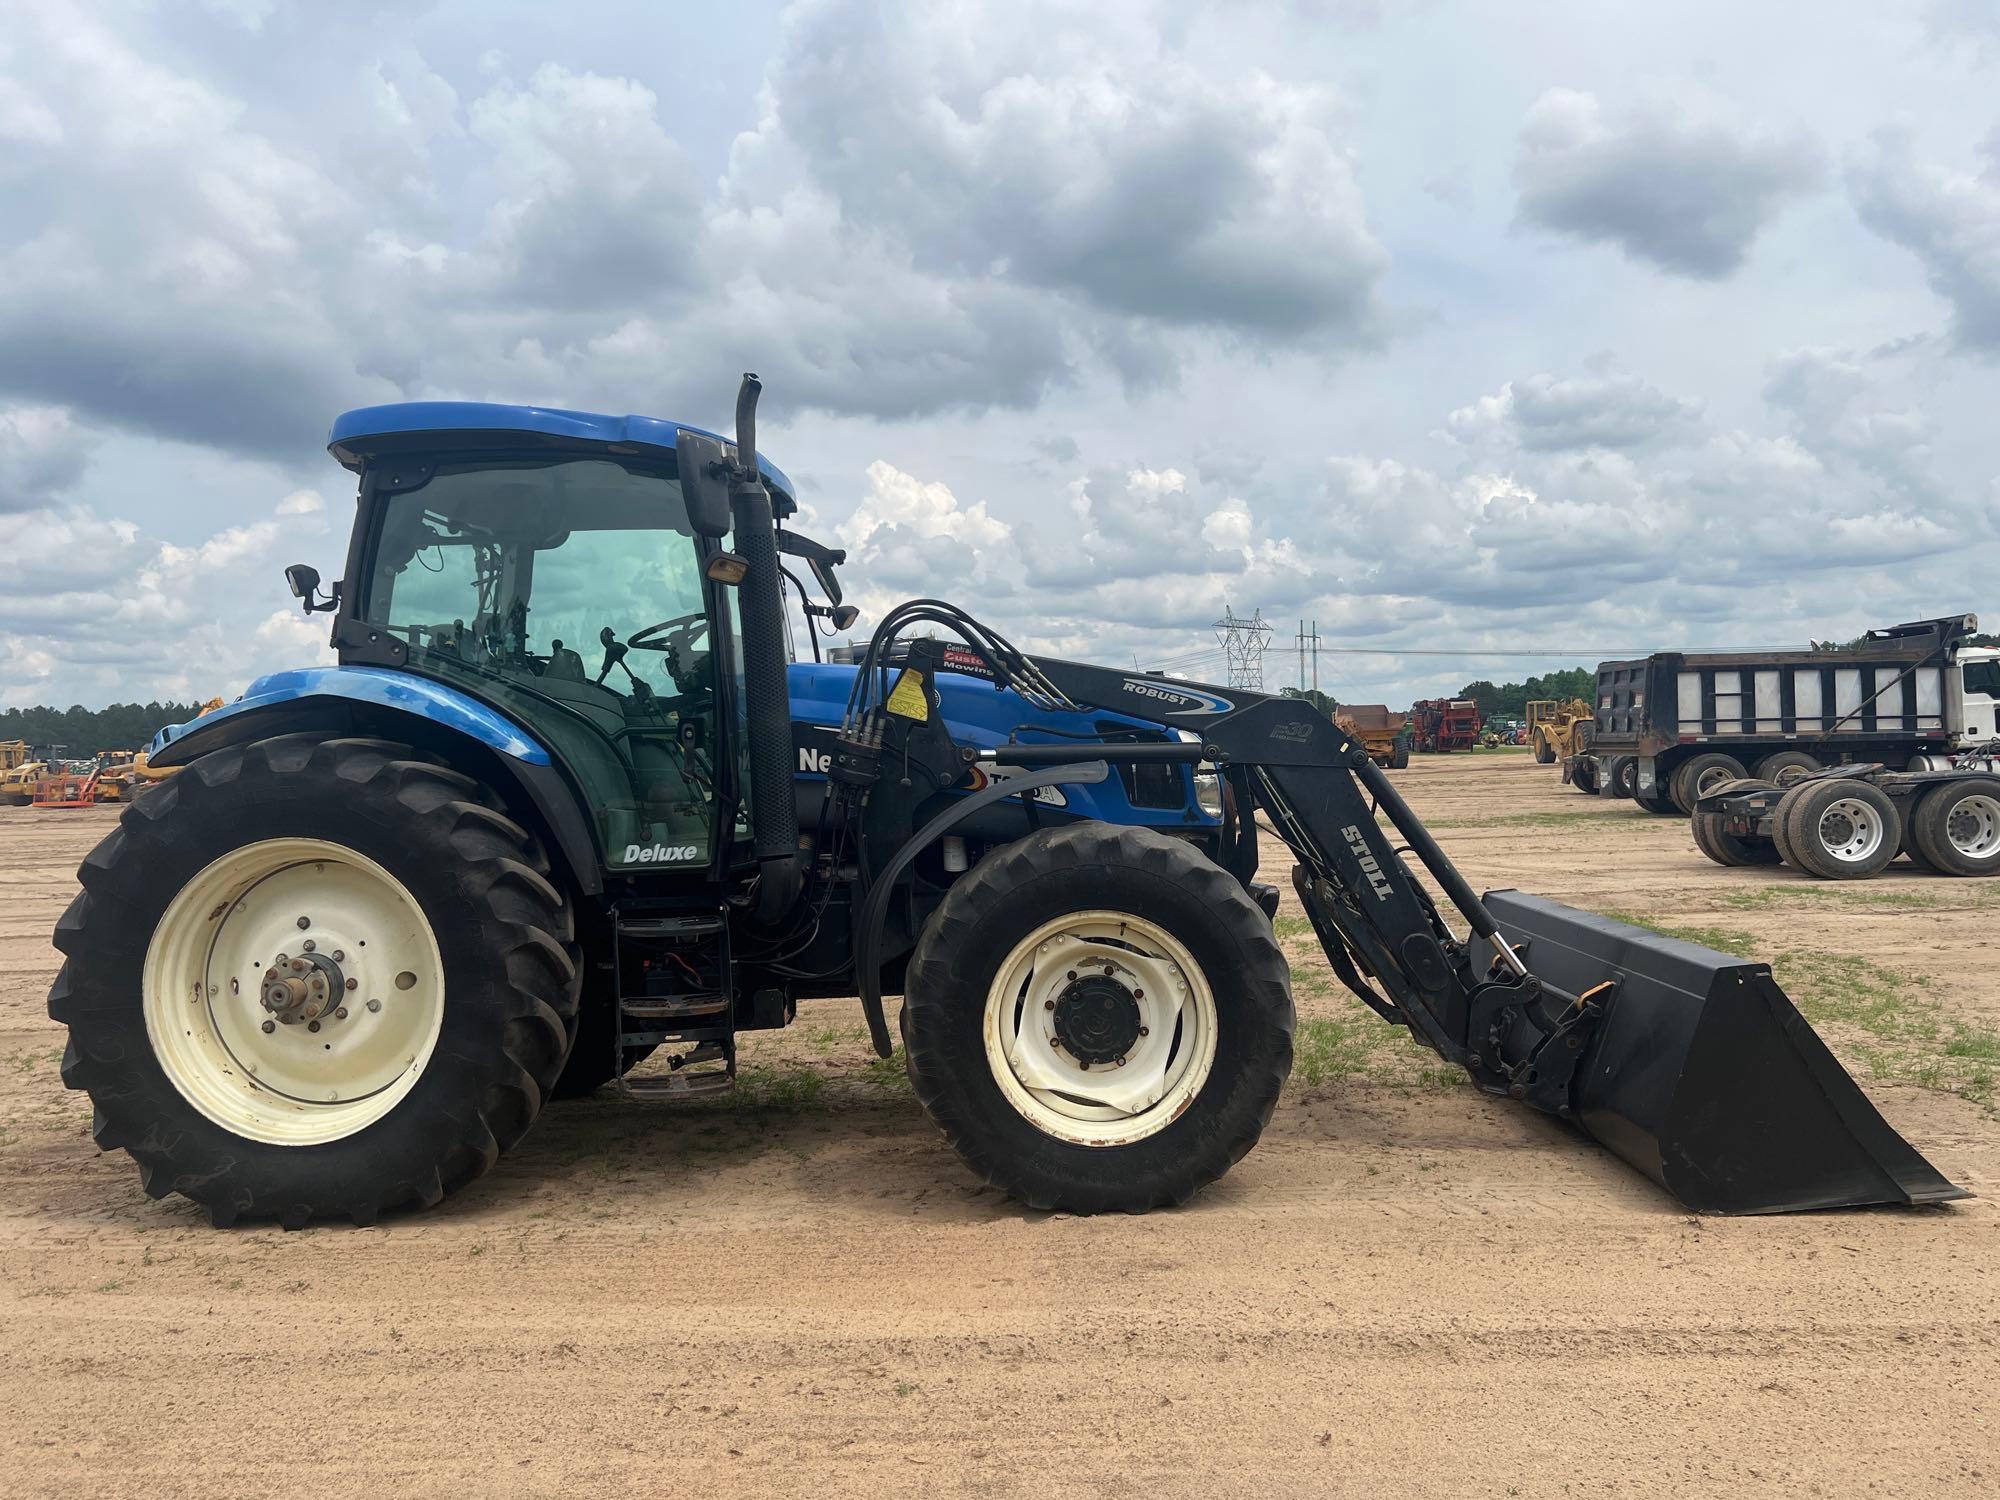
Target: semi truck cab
1976,715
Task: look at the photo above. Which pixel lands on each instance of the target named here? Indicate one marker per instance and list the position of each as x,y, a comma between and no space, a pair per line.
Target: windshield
570,593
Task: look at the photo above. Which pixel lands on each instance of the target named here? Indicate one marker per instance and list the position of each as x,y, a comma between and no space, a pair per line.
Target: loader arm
1690,1064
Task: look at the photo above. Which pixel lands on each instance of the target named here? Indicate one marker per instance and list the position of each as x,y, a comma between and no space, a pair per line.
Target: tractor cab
549,565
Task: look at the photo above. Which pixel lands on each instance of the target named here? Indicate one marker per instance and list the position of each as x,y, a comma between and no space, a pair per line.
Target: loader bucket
1704,1076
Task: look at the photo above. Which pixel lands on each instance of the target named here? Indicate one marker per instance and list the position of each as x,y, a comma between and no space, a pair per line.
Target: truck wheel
1727,848
1624,776
1842,829
1583,776
1784,767
1545,753
1399,758
1657,801
1098,1019
1957,827
1694,779
313,978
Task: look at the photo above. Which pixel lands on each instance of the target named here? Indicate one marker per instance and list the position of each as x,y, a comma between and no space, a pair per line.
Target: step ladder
672,976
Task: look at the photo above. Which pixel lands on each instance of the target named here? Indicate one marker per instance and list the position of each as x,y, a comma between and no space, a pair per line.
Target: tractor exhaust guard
1704,1076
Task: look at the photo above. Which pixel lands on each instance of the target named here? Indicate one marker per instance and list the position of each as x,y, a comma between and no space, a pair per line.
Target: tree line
83,732
1510,700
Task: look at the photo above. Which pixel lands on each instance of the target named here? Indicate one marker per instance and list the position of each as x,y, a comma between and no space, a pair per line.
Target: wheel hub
1837,829
1096,1019
303,989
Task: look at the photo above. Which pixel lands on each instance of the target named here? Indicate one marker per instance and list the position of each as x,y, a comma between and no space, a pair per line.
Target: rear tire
1657,801
1727,848
1545,753
1583,776
1694,779
1785,767
1957,827
1624,776
1399,758
1039,916
1842,829
441,873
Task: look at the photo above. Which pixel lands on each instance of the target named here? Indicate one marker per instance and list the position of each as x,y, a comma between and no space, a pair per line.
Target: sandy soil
1407,1289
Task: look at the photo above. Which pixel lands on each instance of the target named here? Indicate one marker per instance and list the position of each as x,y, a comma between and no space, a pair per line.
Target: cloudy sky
1456,325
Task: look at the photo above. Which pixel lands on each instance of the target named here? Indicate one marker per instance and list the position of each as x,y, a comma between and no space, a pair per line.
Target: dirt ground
1407,1289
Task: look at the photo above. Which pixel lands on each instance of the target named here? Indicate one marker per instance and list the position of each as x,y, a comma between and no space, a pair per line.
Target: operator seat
564,664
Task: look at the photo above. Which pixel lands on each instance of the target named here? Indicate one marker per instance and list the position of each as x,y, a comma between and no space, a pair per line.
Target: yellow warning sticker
907,699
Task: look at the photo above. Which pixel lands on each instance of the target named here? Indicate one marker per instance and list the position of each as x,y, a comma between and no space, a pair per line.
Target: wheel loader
567,801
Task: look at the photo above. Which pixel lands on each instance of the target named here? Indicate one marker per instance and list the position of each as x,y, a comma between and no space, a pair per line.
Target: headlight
1208,789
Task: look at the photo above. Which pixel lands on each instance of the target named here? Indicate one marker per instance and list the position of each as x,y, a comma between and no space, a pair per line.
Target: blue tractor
568,799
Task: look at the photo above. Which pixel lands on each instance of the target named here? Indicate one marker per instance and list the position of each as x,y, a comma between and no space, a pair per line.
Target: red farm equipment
1444,724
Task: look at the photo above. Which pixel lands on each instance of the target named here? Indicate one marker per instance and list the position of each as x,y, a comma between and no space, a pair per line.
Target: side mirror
821,558
844,616
303,580
704,469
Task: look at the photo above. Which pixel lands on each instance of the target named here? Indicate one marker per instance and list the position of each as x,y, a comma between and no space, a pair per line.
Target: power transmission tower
1243,645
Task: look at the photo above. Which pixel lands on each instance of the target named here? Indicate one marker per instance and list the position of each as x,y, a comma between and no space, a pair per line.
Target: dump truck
1384,734
1445,724
1671,727
387,909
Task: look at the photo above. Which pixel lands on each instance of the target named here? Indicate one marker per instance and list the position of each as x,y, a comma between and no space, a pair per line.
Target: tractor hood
409,426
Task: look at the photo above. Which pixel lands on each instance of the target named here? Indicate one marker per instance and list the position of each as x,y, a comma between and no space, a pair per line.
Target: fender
875,908
375,700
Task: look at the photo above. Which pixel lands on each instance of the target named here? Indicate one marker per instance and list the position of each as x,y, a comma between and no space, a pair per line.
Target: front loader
567,802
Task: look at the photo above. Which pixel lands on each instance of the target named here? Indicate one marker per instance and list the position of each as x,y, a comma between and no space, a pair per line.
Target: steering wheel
653,637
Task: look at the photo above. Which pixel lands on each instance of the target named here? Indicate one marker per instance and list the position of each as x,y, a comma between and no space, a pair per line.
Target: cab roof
406,426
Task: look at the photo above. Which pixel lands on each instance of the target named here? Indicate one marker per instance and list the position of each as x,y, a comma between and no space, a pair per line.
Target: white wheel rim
1850,830
1973,826
1107,1102
317,1075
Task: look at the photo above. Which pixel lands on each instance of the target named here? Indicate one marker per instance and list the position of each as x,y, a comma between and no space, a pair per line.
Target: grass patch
1880,1016
1292,927
792,1091
1728,940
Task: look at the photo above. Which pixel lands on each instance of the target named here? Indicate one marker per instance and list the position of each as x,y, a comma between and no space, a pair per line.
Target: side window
1983,677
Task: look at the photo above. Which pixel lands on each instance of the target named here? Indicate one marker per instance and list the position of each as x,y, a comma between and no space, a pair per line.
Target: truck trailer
1669,728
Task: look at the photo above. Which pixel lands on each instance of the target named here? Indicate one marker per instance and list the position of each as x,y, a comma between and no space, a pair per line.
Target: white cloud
1949,220
1685,187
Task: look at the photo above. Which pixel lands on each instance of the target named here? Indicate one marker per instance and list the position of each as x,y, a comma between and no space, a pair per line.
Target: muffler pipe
767,692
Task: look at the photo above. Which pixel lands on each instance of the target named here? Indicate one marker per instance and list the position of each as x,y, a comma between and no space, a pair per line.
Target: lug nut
304,923
312,1026
1138,994
354,984
1048,1005
340,1014
309,945
1145,1031
373,1006
1072,975
269,1027
339,957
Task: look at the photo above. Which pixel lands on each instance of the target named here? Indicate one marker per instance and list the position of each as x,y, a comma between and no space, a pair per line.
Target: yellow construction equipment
117,775
1385,735
1561,732
18,773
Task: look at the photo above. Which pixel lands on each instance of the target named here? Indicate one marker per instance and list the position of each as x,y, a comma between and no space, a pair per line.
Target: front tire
1099,1019
398,894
